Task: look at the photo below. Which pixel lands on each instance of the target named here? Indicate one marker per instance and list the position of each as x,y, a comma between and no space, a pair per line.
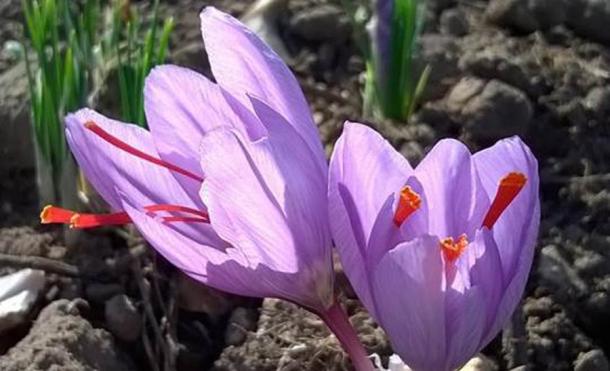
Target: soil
291,338
548,71
62,339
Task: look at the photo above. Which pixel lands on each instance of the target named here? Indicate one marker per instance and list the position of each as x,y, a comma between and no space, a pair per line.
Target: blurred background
101,300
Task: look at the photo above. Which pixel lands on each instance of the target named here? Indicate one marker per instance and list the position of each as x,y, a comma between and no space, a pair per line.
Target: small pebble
593,360
122,318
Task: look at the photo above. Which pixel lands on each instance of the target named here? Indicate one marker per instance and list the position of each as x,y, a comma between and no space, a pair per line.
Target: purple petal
364,172
305,182
288,144
242,63
408,289
512,228
473,299
481,260
109,169
514,290
516,230
78,139
266,199
181,106
224,269
454,200
182,250
465,322
242,204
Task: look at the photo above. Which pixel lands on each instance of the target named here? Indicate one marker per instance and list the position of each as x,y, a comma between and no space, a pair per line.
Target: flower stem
336,319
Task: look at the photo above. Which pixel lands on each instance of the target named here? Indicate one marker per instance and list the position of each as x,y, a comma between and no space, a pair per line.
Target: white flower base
478,363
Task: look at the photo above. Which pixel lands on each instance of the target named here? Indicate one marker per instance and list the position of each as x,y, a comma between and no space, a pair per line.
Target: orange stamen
82,221
408,203
136,152
52,214
452,250
509,188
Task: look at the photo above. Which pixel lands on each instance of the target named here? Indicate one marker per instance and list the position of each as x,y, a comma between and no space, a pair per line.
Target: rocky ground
536,68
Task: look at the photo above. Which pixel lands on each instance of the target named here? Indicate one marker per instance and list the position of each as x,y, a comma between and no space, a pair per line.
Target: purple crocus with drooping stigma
230,184
439,254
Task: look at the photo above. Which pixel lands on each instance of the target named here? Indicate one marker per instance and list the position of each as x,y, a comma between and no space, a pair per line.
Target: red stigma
96,129
186,219
408,203
51,214
509,188
175,208
82,221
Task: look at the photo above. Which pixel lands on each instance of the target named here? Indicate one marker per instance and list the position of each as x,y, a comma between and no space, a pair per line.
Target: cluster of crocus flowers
439,254
392,83
229,184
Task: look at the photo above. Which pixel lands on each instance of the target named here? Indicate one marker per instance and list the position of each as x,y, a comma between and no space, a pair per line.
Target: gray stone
19,292
11,9
594,360
597,307
556,272
553,340
527,15
62,340
495,62
598,101
480,363
454,22
241,321
123,318
197,297
514,340
322,23
464,91
591,264
490,110
590,18
441,53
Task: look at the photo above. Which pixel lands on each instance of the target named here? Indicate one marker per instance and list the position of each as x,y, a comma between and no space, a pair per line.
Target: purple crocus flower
229,184
439,254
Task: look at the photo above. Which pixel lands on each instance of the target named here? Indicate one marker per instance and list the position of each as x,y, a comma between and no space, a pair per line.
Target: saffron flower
230,184
439,254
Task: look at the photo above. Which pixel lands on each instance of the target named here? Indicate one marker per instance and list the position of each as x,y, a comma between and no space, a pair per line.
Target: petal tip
359,128
80,117
453,143
211,12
